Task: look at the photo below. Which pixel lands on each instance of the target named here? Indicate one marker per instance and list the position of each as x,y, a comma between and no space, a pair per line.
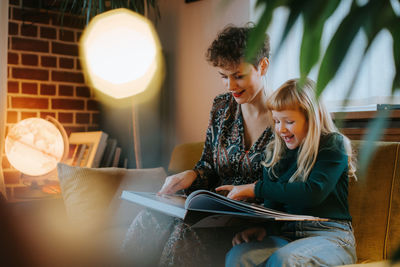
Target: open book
203,208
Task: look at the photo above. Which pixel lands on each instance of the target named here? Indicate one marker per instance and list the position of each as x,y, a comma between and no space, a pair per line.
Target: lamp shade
34,146
121,53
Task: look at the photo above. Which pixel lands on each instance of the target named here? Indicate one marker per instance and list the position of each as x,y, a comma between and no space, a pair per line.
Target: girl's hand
238,192
177,182
255,233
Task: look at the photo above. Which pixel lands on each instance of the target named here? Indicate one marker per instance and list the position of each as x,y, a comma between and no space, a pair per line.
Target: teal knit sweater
324,194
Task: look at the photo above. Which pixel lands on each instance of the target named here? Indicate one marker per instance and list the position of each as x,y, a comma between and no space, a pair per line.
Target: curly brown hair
229,48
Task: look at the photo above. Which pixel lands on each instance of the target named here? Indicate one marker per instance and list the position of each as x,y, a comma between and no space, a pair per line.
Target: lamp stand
136,137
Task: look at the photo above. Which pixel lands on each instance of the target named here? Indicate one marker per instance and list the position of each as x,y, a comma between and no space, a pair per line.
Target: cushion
88,192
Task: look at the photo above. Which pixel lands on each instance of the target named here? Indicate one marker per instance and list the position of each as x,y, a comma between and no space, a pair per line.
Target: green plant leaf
314,17
62,11
395,31
385,17
89,8
257,36
101,6
84,6
73,6
339,45
310,47
381,16
295,11
259,3
355,76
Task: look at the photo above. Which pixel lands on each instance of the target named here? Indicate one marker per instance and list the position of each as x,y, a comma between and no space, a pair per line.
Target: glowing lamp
34,146
121,53
121,57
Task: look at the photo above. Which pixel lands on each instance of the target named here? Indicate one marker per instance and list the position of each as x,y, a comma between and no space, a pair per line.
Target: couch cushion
88,192
369,200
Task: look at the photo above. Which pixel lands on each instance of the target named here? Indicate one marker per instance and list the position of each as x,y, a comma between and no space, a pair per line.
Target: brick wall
44,73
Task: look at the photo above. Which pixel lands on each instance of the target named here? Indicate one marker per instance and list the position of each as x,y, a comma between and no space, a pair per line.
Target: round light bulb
120,53
34,146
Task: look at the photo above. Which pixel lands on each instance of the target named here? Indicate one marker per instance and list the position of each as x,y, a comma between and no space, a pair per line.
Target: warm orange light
34,146
121,54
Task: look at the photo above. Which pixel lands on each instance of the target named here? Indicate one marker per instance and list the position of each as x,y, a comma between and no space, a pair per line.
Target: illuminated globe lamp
121,57
34,146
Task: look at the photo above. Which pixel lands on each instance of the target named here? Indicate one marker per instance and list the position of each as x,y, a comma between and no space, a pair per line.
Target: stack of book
112,154
93,149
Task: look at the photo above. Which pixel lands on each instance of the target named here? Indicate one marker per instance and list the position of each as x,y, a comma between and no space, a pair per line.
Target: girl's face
244,81
291,125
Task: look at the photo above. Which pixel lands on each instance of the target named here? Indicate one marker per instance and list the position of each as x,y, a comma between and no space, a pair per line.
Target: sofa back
185,156
374,203
374,200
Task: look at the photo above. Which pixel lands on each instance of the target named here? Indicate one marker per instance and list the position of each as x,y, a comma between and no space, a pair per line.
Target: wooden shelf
361,115
356,124
389,134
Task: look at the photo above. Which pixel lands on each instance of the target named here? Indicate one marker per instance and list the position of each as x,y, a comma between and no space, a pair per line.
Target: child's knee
283,258
233,256
239,255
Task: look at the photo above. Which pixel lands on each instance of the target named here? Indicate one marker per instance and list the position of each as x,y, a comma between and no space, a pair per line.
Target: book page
169,204
203,200
207,209
176,200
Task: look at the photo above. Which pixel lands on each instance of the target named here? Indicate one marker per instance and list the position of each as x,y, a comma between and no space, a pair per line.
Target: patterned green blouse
224,159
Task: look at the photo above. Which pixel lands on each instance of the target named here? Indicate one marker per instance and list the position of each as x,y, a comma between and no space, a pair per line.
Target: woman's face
291,125
244,81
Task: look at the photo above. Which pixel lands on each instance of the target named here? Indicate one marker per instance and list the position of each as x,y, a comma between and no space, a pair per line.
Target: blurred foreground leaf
395,31
339,46
90,8
370,17
375,131
314,18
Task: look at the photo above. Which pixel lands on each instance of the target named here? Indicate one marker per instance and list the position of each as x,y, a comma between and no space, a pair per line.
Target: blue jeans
306,243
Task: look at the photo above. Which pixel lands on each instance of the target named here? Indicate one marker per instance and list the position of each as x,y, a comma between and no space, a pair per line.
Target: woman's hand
238,192
255,233
177,182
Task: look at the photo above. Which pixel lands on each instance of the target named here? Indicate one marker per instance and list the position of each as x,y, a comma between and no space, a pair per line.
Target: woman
238,132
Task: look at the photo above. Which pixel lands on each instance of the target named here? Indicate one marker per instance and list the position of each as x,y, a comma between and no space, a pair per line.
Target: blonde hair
291,95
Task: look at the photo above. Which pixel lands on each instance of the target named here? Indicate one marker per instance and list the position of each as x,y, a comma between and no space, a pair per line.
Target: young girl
306,171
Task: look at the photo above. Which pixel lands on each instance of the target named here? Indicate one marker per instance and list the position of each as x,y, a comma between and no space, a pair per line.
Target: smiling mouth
238,94
287,139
